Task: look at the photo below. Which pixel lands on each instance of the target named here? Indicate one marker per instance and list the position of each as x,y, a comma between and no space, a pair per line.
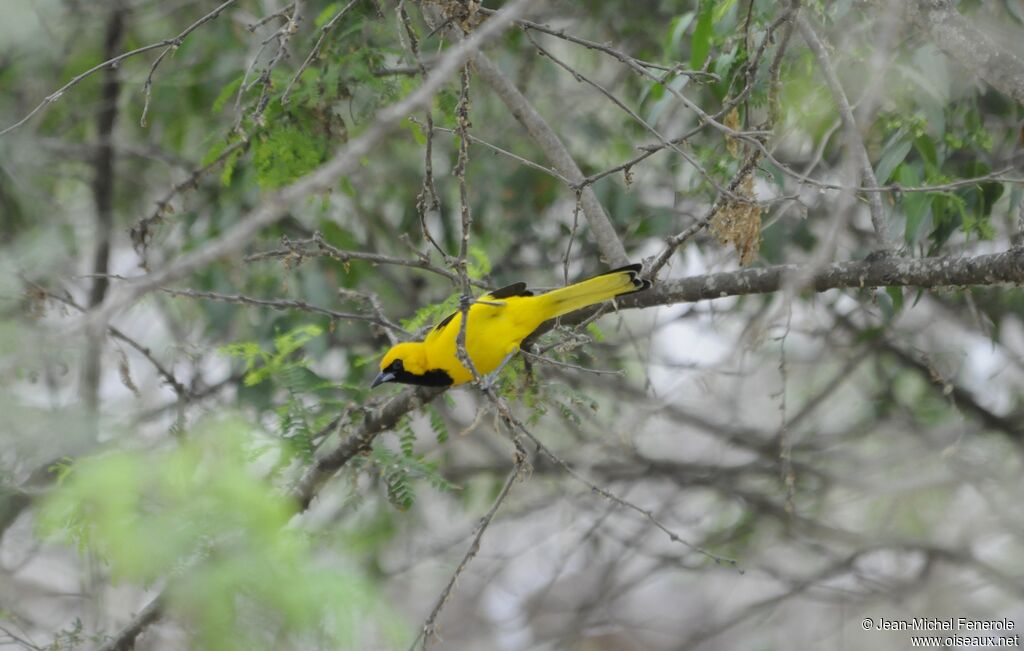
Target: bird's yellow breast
493,331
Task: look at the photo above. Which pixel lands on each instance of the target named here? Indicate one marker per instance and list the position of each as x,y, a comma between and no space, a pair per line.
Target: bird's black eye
396,366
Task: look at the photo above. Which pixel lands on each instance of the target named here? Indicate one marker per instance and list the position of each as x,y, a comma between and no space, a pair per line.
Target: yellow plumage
497,325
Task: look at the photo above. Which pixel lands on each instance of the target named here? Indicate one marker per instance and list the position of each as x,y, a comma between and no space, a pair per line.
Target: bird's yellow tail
592,291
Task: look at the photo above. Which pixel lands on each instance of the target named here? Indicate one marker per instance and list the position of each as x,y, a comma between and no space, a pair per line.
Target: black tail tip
634,270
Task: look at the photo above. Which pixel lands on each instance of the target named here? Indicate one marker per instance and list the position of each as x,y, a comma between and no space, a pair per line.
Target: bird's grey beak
382,378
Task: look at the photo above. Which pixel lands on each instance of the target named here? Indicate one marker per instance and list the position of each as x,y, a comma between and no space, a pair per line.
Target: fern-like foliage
399,470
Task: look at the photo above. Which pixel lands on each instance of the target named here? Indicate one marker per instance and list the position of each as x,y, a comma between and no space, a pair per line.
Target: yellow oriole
498,323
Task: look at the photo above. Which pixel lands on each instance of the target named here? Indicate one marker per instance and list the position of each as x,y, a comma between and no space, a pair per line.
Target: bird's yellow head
407,363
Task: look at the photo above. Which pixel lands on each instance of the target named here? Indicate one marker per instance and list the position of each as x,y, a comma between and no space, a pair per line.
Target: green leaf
285,153
328,12
893,154
226,93
228,172
479,265
431,313
700,44
723,8
662,98
926,147
417,132
916,205
437,424
273,364
896,294
676,29
407,437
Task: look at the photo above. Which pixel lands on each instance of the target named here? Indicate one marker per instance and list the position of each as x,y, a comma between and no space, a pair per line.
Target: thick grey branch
125,638
1006,267
969,46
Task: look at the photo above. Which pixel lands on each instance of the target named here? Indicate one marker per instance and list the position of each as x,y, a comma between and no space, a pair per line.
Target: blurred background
761,471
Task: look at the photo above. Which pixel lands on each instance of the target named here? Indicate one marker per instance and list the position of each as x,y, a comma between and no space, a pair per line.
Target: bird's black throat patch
432,378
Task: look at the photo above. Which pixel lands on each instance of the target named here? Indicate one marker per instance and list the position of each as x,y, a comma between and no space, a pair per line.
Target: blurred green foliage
201,515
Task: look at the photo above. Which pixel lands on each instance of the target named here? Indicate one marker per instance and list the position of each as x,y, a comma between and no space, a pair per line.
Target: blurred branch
960,397
517,427
123,147
428,204
504,152
854,142
13,500
125,638
103,200
969,46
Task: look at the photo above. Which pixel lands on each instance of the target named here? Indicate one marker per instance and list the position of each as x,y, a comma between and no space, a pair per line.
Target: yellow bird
498,323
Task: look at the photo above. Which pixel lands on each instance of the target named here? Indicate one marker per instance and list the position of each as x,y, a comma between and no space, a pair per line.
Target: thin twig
299,249
180,389
315,52
665,143
673,242
283,304
575,367
428,630
427,200
169,43
466,300
649,150
606,49
280,14
374,302
572,236
283,37
141,233
125,638
504,152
